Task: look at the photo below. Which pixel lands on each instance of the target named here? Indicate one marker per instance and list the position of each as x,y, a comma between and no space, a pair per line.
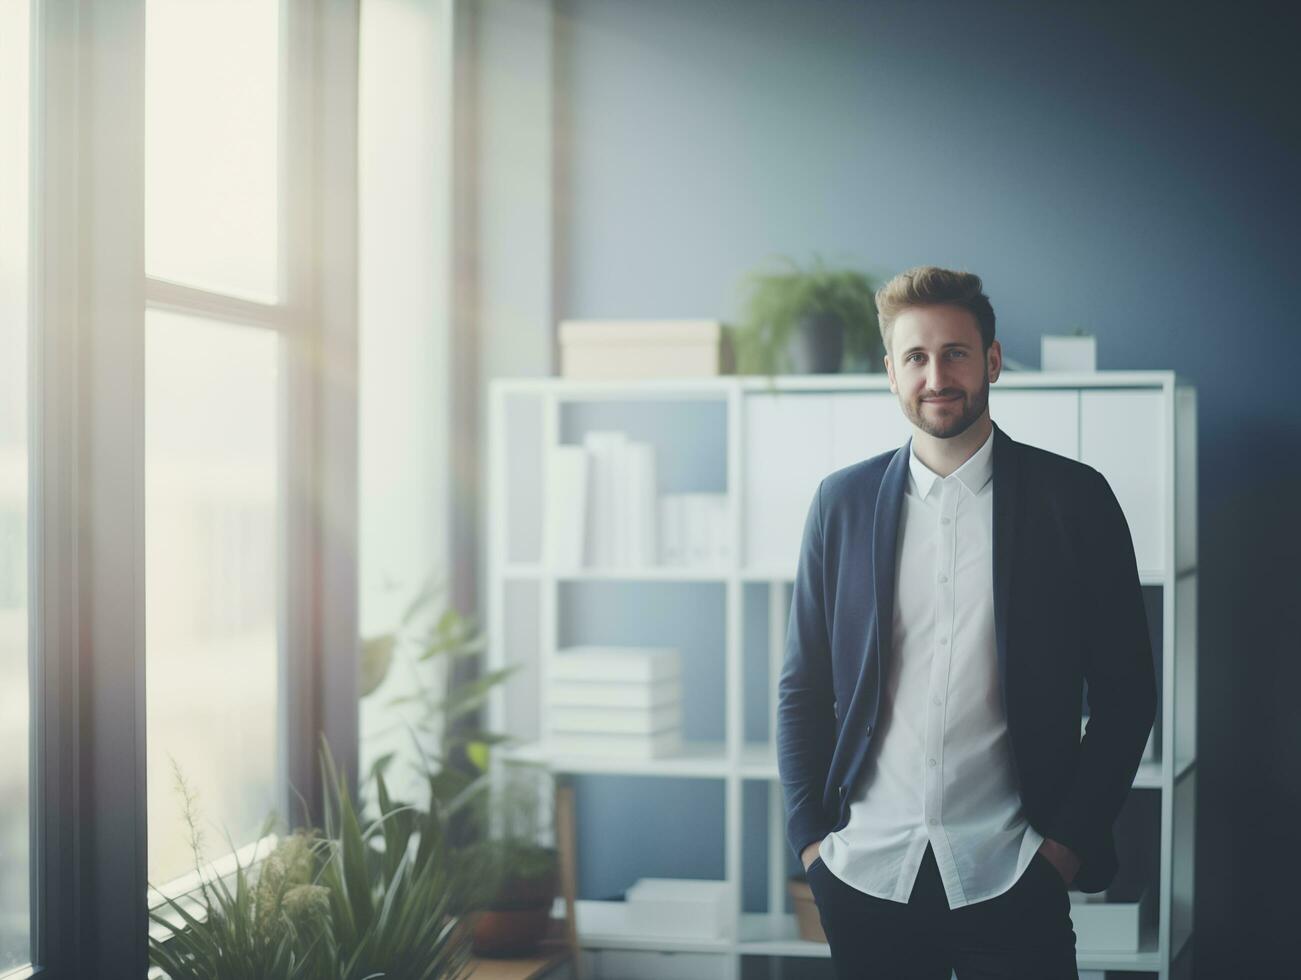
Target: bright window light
213,529
212,155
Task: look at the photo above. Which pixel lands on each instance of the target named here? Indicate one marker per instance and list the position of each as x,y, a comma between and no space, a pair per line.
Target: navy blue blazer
1068,609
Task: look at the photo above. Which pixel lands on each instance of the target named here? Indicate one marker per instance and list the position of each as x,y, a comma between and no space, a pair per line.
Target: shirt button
943,640
932,763
937,700
945,520
944,578
933,821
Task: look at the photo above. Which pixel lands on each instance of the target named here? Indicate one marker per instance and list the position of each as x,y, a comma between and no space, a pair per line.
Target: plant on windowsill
363,899
810,320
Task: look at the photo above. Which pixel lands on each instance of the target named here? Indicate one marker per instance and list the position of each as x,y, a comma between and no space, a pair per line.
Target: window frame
88,300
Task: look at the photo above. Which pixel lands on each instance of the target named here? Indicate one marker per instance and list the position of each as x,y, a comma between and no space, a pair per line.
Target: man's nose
935,377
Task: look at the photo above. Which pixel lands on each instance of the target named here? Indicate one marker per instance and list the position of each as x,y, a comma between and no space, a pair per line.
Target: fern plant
778,303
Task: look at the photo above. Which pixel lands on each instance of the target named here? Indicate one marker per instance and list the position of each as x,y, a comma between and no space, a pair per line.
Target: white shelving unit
1138,428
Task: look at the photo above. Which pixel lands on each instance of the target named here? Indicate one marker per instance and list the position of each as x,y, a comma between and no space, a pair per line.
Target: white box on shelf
616,721
1068,353
614,694
639,747
600,349
649,665
1110,927
681,907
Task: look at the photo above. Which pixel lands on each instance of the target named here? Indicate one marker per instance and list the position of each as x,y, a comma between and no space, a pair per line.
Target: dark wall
1129,168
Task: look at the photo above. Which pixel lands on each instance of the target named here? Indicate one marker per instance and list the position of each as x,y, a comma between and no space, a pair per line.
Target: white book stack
601,502
623,702
694,529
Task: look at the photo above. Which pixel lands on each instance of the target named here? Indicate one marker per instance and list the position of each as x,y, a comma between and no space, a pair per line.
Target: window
213,564
215,385
190,565
15,688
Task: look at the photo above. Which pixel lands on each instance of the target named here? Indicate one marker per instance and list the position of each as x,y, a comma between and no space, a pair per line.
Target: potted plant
497,820
515,918
814,320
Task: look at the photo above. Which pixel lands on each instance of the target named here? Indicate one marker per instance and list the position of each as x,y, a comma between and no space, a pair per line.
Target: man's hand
1066,861
809,853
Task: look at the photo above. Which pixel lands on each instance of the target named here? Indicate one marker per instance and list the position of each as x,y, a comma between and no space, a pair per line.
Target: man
953,597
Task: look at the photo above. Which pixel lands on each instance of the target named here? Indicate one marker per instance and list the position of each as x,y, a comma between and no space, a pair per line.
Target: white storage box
1068,353
599,349
1109,927
682,908
636,964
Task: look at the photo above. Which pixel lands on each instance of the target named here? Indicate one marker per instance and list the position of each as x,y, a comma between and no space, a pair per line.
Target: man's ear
994,361
889,371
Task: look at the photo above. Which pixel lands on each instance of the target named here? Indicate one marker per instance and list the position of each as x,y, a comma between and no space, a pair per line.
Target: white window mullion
175,298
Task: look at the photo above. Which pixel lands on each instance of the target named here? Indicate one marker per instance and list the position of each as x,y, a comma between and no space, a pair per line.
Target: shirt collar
973,474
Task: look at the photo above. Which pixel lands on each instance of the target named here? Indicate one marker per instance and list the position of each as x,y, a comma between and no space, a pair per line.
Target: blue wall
1127,168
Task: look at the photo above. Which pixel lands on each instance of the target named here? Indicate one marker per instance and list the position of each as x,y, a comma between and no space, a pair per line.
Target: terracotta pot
510,932
517,922
806,911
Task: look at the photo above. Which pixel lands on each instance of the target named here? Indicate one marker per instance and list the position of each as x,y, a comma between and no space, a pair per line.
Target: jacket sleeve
1118,670
805,696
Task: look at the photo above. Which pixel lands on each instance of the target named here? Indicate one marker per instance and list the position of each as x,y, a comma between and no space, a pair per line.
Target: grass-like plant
367,899
393,890
239,927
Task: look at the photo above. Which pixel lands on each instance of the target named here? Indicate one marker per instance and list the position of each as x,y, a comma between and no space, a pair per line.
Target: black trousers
1025,932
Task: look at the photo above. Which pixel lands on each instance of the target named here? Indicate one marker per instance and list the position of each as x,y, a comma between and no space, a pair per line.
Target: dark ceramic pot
818,344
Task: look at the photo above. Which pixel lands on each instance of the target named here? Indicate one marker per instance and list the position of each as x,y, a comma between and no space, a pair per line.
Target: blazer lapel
885,538
1006,480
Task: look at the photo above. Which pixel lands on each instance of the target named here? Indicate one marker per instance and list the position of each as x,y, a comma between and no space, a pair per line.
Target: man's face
938,370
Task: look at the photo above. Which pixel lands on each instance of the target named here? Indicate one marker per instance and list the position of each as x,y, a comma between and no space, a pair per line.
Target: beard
957,417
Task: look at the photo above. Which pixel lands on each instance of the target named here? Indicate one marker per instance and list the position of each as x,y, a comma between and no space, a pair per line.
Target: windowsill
185,891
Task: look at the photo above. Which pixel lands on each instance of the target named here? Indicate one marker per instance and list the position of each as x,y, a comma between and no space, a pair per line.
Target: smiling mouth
940,401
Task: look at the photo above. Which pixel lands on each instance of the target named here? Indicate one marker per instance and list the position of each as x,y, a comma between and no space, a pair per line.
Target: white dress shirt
940,766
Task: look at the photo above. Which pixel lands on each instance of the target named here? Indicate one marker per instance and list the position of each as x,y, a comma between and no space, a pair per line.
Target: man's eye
958,353
914,357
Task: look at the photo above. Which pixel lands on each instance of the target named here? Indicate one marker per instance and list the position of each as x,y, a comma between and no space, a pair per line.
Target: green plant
494,820
394,894
268,927
368,899
777,303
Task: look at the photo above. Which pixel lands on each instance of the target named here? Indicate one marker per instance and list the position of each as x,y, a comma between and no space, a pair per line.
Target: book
566,506
613,694
604,663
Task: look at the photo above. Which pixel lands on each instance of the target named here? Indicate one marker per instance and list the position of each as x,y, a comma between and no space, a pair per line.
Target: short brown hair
929,285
